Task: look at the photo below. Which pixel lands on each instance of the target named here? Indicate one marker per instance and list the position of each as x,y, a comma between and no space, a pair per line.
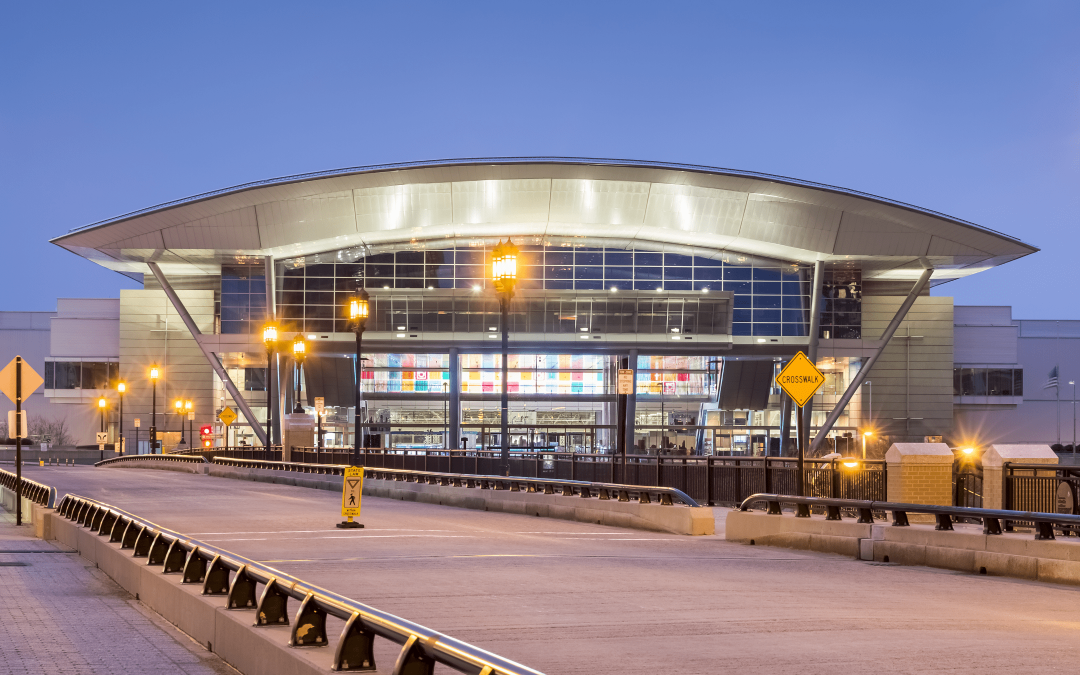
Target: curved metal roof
577,201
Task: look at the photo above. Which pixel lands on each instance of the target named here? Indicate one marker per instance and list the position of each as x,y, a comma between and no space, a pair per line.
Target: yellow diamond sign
227,416
800,379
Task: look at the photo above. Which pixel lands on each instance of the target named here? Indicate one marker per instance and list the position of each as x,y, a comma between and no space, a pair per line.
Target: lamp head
187,405
101,403
121,387
868,433
269,334
504,259
968,451
154,372
179,404
299,347
359,306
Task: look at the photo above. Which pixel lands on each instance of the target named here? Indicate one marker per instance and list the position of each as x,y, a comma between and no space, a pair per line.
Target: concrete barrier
654,517
965,549
160,464
228,633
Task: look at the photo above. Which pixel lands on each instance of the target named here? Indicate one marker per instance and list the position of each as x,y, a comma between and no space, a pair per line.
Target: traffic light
206,435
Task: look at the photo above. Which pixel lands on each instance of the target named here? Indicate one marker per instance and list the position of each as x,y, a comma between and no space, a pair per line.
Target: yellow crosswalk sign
800,379
351,491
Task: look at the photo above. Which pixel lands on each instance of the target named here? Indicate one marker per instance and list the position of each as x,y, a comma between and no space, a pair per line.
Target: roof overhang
615,203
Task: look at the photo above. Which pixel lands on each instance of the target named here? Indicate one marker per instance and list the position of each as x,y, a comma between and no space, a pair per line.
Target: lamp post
504,275
1073,383
299,349
270,340
154,374
359,308
179,405
121,387
101,403
190,410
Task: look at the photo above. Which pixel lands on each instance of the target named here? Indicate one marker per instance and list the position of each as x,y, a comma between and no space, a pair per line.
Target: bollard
41,462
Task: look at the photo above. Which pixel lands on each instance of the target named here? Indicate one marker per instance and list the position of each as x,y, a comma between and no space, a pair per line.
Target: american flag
1052,379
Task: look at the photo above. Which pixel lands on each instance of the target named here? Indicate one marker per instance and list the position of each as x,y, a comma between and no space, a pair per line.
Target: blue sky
968,108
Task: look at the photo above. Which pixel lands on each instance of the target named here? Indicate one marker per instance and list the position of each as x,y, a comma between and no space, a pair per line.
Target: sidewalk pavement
62,615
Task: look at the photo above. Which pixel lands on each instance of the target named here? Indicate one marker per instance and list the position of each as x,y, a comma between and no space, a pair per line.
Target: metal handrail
569,488
211,566
993,519
184,459
537,160
38,493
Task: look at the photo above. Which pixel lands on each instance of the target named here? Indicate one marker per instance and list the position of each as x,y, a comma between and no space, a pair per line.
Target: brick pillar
920,473
993,461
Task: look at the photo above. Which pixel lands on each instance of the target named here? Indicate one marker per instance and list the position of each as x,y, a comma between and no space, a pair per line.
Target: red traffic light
206,430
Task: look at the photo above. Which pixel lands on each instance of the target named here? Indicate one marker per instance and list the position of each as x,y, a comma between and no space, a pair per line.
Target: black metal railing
273,453
36,492
644,494
226,574
968,489
709,480
1041,487
995,521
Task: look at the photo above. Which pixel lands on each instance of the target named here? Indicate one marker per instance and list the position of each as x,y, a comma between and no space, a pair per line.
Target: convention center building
701,281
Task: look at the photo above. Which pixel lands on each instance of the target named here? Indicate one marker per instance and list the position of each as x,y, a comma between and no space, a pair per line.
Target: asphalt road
568,597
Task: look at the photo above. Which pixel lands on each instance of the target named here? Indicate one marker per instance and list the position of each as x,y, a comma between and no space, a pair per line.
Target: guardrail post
310,628
217,578
273,606
413,660
241,591
195,568
355,648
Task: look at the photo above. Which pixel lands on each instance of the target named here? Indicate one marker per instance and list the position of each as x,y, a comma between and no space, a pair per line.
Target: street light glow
101,403
121,387
298,346
269,334
154,373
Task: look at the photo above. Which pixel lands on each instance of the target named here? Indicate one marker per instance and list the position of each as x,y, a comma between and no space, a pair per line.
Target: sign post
320,412
102,439
352,488
137,422
16,381
227,417
800,379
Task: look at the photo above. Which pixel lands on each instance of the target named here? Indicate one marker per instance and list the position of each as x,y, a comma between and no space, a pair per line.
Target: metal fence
1049,488
36,492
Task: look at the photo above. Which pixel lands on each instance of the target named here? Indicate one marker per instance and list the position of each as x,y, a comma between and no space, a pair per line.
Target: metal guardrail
182,459
568,488
994,520
36,492
202,563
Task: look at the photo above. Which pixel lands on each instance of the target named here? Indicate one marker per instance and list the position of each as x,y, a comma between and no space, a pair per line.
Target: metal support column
210,356
901,313
786,404
631,404
455,398
812,347
273,409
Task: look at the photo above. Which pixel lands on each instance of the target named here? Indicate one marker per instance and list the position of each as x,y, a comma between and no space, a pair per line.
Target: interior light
761,339
431,288
312,337
584,337
492,328
399,335
492,336
705,290
674,330
476,287
676,337
387,287
401,327
659,288
584,330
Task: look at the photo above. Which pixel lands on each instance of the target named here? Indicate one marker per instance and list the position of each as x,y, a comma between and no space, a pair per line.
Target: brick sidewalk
61,616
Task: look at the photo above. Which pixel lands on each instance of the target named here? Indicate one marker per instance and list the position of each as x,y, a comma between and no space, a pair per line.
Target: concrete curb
653,517
1016,555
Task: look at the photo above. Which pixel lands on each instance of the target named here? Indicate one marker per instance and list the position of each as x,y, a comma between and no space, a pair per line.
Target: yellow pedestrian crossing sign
227,416
352,488
800,379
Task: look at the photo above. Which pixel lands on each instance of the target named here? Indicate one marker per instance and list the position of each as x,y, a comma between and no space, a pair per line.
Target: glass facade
988,381
771,298
841,310
243,298
406,374
534,374
672,375
80,374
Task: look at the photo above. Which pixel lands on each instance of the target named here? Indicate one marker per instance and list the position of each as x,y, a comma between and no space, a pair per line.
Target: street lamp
270,340
120,389
101,403
359,309
864,436
299,350
504,275
179,405
154,374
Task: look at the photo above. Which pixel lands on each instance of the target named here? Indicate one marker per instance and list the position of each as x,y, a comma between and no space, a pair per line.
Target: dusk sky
967,108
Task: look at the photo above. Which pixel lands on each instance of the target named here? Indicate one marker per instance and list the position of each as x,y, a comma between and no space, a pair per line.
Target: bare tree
53,431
